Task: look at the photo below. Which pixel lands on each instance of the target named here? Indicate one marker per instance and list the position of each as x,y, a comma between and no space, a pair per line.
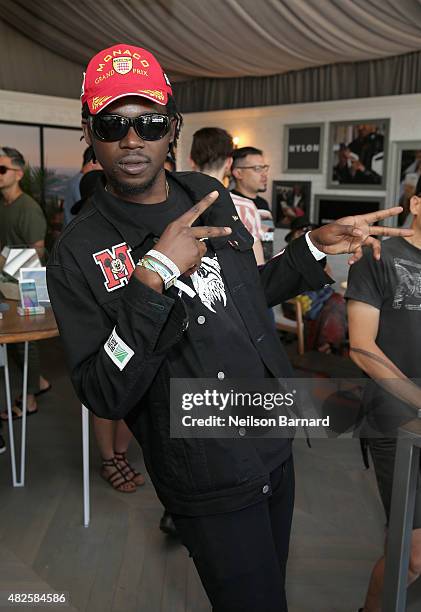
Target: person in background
211,153
88,184
384,312
250,173
72,194
113,439
324,311
22,223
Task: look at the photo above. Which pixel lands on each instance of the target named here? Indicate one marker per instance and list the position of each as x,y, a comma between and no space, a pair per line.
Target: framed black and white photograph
303,147
358,154
408,165
290,199
328,208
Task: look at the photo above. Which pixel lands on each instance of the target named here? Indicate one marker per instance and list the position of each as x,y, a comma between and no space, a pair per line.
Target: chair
293,327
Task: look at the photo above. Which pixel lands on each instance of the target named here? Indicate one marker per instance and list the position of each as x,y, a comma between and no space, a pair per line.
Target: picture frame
39,275
407,168
358,152
290,199
329,207
303,148
28,293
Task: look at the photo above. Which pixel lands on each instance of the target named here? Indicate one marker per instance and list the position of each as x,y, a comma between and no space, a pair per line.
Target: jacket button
201,319
242,431
221,375
265,489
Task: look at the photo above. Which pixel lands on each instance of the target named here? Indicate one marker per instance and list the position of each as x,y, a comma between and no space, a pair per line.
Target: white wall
263,127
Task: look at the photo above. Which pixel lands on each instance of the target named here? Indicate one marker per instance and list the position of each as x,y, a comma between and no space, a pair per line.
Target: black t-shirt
215,325
393,286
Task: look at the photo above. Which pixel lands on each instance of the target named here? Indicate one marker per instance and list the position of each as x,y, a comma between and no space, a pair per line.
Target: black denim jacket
96,302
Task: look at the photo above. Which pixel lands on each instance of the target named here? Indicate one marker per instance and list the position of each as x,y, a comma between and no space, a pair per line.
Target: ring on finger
203,239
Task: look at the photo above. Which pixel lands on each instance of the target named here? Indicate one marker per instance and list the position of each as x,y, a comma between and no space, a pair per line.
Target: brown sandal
128,471
117,479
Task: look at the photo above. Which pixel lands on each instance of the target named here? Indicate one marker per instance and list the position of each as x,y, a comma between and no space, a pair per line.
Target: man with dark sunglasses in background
22,224
157,280
22,221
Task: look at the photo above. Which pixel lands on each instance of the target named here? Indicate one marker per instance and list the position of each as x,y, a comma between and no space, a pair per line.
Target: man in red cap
156,280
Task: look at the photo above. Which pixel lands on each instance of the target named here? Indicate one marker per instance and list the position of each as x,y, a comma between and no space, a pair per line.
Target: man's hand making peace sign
184,245
350,234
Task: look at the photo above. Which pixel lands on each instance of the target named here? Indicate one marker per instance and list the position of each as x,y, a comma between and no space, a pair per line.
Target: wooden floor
123,563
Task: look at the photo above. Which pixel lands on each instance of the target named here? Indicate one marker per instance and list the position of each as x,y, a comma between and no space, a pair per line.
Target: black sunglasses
110,128
4,169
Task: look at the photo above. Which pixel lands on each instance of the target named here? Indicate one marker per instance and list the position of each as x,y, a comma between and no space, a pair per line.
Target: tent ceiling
224,38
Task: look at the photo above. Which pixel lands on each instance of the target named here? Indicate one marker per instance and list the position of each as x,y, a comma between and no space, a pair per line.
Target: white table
13,329
23,329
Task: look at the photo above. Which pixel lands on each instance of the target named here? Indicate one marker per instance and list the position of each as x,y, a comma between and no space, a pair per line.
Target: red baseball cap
123,70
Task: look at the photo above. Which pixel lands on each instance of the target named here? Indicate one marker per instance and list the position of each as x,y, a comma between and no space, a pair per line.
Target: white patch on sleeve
118,351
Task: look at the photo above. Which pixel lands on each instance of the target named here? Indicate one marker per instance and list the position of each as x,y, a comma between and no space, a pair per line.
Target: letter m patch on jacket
116,265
